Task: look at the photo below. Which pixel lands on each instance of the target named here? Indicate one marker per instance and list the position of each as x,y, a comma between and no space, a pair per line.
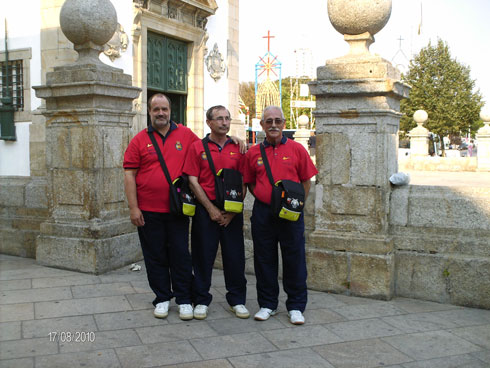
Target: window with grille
15,83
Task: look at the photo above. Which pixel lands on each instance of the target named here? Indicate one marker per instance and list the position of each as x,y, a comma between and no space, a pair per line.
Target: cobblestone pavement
56,318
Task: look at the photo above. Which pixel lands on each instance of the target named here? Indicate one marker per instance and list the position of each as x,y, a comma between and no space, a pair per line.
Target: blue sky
463,25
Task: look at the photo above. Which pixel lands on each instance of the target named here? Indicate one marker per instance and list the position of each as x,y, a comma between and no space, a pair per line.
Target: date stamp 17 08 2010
72,336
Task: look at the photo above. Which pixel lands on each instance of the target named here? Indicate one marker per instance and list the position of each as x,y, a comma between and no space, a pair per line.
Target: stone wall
23,207
442,244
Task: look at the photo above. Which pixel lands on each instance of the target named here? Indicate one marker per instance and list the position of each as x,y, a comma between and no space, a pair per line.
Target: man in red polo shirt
288,160
210,225
163,237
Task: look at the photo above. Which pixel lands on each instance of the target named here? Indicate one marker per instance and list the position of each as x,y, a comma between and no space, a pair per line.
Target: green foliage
247,93
443,87
290,88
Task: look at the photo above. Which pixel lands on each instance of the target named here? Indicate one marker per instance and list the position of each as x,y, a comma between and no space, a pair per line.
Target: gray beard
160,124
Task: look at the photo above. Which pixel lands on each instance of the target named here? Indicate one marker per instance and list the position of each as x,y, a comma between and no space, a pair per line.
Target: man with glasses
211,225
288,160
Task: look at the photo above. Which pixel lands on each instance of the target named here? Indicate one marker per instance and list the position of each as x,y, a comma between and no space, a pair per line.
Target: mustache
272,130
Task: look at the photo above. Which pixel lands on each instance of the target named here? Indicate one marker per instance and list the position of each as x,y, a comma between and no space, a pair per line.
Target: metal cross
268,40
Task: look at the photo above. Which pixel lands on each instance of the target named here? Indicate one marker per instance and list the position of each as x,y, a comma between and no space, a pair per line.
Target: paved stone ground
38,302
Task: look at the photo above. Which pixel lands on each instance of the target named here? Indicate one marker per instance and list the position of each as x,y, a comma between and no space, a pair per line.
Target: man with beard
288,160
163,237
212,226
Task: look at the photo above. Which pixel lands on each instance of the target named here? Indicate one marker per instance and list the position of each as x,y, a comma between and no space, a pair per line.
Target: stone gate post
88,116
302,135
419,136
357,118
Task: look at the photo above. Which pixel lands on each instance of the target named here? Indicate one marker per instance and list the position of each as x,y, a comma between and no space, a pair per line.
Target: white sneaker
200,311
186,312
161,310
240,311
264,313
296,317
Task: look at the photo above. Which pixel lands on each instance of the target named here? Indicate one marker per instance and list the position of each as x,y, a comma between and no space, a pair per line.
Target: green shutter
176,66
7,124
167,64
156,51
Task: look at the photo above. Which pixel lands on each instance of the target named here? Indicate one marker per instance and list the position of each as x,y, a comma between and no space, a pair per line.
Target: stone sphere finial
89,24
359,21
420,116
303,121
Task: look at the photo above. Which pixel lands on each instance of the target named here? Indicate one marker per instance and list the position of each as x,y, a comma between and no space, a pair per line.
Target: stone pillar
419,136
483,137
302,134
357,119
236,126
88,117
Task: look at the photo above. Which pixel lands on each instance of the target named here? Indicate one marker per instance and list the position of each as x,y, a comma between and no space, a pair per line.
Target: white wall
23,32
14,156
216,93
124,10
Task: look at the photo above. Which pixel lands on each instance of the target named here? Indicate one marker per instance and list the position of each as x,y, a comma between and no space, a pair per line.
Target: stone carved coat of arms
215,64
117,44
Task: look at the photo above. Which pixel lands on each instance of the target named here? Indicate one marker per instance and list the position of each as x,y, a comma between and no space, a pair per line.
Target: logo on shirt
233,153
203,156
285,158
149,145
259,161
178,146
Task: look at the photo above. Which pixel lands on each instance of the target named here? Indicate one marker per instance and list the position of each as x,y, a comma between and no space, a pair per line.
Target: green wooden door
167,72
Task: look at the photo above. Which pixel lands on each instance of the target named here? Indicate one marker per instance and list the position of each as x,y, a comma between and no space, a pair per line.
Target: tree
441,86
247,93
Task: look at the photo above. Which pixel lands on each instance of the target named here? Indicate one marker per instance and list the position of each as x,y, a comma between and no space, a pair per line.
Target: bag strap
266,164
160,157
208,155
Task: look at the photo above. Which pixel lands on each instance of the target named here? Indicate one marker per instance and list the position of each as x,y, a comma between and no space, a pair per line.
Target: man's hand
136,217
227,217
130,188
215,214
241,143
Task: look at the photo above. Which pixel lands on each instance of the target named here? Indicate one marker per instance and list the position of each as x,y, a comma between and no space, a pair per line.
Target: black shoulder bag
181,199
228,185
288,197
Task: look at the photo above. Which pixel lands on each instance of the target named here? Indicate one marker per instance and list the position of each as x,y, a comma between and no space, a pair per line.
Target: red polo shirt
226,157
288,161
151,185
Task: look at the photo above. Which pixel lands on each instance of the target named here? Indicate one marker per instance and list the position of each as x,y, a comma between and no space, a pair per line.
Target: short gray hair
271,107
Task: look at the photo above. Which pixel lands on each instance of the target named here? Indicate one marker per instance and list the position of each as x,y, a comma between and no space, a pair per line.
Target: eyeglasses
276,121
223,118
